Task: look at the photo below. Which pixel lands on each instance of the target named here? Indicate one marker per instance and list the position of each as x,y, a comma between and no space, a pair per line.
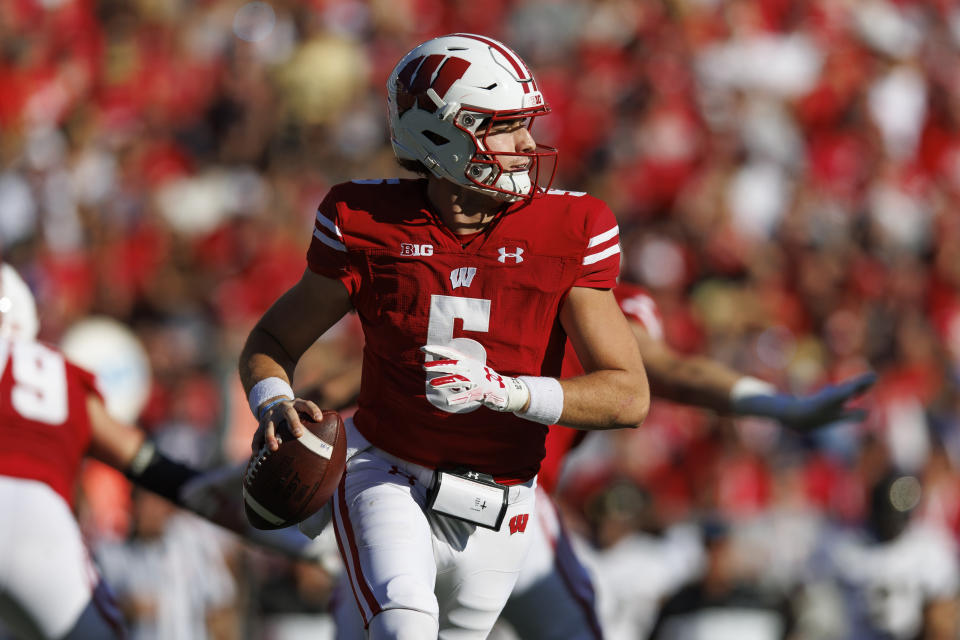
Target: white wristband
546,400
748,386
266,389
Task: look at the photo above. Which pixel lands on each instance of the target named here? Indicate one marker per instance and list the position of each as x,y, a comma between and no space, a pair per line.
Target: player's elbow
635,404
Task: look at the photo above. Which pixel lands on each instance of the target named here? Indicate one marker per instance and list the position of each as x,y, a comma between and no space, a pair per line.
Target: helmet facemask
498,171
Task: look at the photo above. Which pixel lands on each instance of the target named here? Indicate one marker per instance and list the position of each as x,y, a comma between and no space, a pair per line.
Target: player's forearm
697,381
264,357
605,399
290,326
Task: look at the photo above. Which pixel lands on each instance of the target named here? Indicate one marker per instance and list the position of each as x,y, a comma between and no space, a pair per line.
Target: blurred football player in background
171,576
476,267
553,580
898,575
52,415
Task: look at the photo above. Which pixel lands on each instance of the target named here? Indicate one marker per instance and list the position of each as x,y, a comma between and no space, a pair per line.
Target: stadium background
786,175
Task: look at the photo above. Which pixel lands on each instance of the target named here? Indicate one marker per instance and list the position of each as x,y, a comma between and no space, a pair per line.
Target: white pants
400,555
47,583
554,598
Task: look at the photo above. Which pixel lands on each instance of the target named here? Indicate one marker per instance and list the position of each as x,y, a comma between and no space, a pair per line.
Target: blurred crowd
786,175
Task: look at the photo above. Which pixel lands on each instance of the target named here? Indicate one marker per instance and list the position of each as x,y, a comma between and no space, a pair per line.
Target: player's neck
463,211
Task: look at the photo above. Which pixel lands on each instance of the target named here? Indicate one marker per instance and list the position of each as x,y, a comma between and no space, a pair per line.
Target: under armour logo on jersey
462,276
518,523
516,255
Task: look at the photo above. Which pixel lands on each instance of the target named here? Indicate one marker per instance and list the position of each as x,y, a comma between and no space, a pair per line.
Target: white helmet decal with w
446,95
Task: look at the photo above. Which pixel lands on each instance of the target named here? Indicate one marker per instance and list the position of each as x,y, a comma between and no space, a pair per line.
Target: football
286,486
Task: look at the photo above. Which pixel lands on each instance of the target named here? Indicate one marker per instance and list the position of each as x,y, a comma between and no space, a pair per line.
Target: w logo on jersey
516,254
437,72
518,524
462,277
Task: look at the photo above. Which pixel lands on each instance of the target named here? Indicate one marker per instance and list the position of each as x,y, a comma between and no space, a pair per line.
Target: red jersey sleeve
87,381
601,258
641,308
327,255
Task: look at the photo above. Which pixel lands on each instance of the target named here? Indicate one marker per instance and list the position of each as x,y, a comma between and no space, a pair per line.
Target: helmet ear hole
435,138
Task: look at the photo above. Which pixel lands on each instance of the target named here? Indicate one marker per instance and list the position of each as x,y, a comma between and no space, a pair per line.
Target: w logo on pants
518,523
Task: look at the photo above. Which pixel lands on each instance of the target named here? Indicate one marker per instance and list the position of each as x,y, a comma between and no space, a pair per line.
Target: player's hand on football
805,413
466,380
284,411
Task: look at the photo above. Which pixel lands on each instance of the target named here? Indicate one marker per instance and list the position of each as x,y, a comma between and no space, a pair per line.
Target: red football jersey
640,308
44,424
496,297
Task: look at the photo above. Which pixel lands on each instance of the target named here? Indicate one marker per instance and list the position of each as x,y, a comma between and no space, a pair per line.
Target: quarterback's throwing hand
469,380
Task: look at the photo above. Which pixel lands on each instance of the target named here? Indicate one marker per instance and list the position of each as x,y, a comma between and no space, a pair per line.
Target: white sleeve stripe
606,253
323,220
339,246
603,237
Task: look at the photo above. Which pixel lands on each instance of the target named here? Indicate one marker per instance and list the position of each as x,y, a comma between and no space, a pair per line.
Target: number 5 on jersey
444,312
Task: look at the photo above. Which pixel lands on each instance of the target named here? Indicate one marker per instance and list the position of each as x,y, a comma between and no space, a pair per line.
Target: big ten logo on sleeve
518,523
411,249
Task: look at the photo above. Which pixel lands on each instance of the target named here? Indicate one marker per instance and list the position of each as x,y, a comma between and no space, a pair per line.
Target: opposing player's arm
614,391
112,442
695,380
708,383
275,345
126,449
210,494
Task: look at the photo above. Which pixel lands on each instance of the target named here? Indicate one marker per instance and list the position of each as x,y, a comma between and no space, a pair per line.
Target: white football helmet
444,98
18,310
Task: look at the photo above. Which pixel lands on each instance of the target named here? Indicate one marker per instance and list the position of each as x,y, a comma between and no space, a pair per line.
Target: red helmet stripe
518,65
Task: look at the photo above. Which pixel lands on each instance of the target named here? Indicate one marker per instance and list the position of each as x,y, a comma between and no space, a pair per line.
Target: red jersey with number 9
44,426
413,283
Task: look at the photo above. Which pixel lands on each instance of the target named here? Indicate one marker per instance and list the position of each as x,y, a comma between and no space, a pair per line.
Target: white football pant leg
474,580
384,536
399,557
46,577
554,598
402,624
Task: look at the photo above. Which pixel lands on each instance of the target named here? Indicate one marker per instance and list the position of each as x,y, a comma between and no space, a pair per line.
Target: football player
467,283
555,597
51,416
